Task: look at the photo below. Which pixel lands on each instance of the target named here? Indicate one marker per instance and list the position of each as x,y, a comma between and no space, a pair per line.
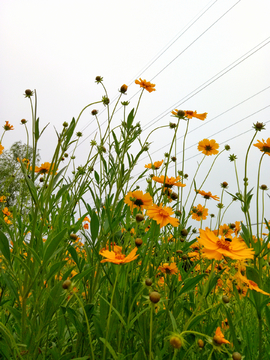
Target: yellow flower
162,215
208,147
215,247
207,195
44,168
137,199
2,198
169,182
249,283
169,269
6,212
263,146
146,85
1,149
155,166
199,212
115,258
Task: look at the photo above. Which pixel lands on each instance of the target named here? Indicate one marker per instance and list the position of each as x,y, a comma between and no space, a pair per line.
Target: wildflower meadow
130,277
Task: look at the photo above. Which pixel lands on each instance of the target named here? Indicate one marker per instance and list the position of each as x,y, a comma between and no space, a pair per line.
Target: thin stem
151,329
257,200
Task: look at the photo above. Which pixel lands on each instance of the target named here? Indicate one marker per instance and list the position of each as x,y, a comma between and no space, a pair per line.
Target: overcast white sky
58,48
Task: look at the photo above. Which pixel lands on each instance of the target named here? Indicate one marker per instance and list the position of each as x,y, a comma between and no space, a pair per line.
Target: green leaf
55,268
190,284
96,177
109,348
117,312
10,284
173,321
232,331
4,246
37,129
82,274
94,226
52,245
130,118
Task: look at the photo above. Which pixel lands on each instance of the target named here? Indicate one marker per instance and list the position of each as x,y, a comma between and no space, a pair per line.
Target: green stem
257,200
110,311
151,330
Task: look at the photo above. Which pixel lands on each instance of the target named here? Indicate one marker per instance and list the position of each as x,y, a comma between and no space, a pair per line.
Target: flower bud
66,284
123,88
184,232
154,297
23,121
28,93
139,217
236,356
201,343
148,282
73,236
138,242
94,112
225,299
175,342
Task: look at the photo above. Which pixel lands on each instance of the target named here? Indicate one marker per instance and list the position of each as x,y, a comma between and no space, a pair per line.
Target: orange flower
215,247
8,126
1,149
249,283
6,212
117,249
169,182
190,114
2,198
137,199
119,258
263,146
86,226
225,230
44,168
208,147
146,85
162,215
155,166
219,337
207,195
199,212
169,269
86,219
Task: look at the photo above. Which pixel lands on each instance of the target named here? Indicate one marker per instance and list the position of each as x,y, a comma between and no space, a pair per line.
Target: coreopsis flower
86,226
6,212
263,146
207,195
117,249
44,168
219,338
169,182
199,212
1,149
8,127
190,114
155,166
216,247
119,259
225,230
208,147
169,269
138,200
3,198
146,85
162,215
249,283
86,219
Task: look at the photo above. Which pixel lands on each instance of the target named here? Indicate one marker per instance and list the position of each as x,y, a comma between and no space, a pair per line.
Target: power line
174,59
191,157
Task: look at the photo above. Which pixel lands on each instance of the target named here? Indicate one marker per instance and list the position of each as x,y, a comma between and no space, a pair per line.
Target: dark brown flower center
208,147
223,244
138,202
